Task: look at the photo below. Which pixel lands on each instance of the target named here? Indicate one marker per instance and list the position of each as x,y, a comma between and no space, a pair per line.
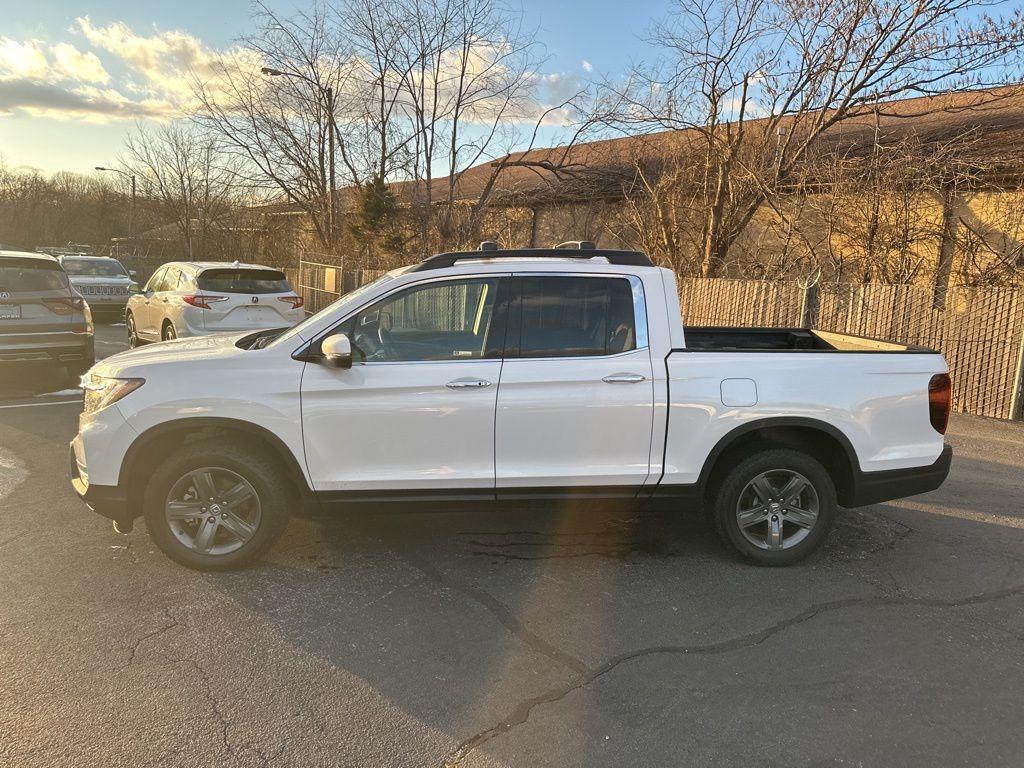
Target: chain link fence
322,282
980,332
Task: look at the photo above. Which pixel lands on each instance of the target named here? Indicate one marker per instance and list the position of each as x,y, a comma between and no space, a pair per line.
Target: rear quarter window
18,275
243,281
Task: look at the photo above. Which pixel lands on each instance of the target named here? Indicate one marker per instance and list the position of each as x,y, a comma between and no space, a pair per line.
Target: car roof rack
489,250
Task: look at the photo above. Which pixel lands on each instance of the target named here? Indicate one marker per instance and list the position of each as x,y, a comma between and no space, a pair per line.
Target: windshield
244,281
94,268
351,296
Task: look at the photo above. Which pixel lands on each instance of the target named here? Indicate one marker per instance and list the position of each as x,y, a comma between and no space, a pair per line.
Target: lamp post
328,93
131,208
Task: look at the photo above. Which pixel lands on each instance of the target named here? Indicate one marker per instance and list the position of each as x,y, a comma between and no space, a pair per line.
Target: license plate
10,311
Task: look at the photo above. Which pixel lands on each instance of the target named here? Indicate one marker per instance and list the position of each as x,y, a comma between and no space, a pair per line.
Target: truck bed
721,339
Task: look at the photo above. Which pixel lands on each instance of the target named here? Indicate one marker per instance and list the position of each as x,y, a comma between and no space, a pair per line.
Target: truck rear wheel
212,506
775,507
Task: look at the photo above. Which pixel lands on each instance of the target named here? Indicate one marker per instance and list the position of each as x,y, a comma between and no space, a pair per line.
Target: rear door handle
624,378
468,383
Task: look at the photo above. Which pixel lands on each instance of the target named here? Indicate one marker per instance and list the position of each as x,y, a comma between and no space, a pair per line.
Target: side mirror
132,273
337,351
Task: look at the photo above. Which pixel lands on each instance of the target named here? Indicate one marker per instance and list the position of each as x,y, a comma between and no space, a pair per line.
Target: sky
75,77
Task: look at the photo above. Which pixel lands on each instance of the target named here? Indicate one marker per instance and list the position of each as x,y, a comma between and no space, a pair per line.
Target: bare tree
405,93
761,81
182,170
274,102
65,207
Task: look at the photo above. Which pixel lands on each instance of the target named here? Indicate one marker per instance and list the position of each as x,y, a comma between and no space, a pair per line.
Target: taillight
66,304
940,401
202,301
295,300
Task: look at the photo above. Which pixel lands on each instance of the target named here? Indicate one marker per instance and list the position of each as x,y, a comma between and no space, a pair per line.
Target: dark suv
42,318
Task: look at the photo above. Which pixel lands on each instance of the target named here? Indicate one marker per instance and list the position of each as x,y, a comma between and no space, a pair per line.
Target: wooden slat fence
980,332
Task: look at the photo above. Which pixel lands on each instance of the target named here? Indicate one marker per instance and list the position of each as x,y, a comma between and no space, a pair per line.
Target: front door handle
624,378
468,383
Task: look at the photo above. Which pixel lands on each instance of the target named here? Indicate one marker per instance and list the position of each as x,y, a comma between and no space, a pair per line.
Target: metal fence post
1017,394
810,303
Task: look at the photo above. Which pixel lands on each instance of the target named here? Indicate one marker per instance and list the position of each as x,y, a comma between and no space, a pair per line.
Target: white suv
199,298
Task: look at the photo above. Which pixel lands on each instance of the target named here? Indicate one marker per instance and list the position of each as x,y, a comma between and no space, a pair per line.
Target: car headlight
101,391
133,287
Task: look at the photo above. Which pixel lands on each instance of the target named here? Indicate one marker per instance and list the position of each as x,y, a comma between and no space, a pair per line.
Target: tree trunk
947,245
716,245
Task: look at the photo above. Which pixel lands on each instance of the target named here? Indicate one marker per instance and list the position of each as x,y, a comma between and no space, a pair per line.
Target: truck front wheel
211,505
775,507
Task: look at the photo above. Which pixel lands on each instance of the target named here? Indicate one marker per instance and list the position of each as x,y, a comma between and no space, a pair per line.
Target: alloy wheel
213,510
777,509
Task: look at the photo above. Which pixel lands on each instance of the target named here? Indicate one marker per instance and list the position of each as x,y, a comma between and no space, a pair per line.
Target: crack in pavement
521,713
214,705
505,616
14,538
133,651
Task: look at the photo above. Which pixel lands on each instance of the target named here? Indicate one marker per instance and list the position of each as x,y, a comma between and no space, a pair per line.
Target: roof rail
622,258
578,245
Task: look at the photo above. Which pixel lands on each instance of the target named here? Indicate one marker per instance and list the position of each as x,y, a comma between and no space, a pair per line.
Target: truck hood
179,352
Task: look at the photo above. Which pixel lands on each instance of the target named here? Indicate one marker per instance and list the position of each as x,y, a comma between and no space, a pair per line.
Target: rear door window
575,317
17,275
243,281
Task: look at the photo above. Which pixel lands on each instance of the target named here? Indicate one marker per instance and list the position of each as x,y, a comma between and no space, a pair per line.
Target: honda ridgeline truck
522,374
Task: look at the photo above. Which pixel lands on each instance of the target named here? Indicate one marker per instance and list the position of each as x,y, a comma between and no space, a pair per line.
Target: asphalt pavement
581,635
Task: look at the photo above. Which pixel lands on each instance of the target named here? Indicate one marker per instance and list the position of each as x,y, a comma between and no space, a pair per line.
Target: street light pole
131,207
330,160
328,94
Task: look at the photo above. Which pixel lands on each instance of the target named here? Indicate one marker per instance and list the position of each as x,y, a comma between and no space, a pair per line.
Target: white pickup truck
485,375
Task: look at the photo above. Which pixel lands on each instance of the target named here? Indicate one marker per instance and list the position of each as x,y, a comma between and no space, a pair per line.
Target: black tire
167,333
262,472
133,335
726,497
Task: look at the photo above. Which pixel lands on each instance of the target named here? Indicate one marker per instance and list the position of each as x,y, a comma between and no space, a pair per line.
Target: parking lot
580,635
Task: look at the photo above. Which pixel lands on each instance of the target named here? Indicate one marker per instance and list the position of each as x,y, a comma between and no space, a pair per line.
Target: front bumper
875,487
107,500
107,308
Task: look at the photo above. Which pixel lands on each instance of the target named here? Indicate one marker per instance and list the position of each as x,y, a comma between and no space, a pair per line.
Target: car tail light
202,300
66,304
295,300
940,400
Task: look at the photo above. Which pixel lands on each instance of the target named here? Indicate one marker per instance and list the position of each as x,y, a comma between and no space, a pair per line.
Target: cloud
165,61
65,81
22,59
113,72
587,66
52,100
76,65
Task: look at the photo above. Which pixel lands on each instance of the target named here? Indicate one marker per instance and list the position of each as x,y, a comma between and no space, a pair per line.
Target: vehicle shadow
21,380
455,617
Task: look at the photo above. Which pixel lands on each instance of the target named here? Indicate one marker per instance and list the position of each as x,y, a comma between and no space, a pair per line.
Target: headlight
133,287
101,391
